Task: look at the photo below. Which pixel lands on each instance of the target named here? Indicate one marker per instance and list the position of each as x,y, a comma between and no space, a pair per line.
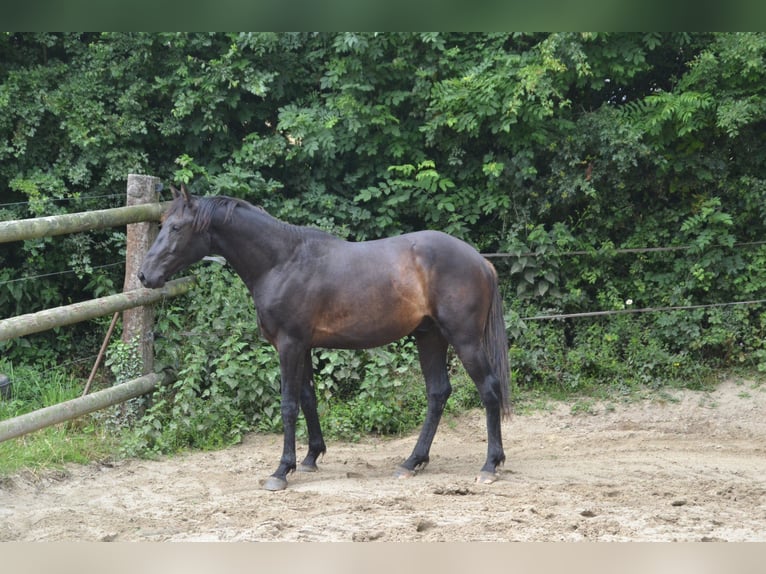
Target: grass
52,448
79,441
32,390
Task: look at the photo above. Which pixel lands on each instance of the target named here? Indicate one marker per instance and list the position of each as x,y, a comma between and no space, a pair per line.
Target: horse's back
439,246
434,256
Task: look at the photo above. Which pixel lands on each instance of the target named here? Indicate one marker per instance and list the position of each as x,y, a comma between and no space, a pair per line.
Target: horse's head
179,243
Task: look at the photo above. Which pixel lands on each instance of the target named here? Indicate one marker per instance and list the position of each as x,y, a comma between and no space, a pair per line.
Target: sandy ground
691,467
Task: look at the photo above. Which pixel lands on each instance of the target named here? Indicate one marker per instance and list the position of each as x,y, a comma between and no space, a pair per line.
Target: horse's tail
496,344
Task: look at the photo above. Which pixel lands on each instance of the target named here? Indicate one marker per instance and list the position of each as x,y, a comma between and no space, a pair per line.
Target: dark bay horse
312,289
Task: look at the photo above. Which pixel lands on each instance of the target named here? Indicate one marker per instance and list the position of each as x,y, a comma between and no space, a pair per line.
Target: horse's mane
206,207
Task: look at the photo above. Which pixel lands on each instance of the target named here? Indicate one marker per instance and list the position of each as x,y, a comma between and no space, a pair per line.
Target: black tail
496,346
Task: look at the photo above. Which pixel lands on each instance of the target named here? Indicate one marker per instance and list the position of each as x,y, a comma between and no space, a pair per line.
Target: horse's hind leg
432,350
309,406
476,363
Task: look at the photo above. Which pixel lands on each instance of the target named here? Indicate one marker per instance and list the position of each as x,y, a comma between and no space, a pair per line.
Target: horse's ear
185,193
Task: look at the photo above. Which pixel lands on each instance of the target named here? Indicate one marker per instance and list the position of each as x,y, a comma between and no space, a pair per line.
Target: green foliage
81,440
564,149
54,447
124,360
33,389
619,355
536,261
378,390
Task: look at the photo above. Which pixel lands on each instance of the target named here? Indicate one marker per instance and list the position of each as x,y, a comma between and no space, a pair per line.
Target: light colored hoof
486,477
402,472
307,468
274,484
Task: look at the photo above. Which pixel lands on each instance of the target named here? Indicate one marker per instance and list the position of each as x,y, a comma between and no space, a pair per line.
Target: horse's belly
361,327
370,301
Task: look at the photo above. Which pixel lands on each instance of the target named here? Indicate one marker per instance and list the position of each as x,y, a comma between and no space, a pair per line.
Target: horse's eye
175,227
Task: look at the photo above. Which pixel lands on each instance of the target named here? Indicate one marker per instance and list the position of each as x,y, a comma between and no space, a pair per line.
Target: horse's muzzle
146,282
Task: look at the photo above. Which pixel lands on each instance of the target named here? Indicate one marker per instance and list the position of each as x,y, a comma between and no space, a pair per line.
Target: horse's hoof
402,472
486,477
274,484
307,468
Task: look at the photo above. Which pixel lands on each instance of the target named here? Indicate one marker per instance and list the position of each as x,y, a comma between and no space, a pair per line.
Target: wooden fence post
139,322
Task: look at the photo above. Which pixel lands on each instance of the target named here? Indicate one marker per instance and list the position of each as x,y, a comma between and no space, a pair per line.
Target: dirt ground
689,467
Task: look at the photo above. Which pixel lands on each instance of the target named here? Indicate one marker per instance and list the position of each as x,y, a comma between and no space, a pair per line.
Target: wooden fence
141,214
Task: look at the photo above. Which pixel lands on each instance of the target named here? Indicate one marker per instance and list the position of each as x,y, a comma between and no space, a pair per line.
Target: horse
313,289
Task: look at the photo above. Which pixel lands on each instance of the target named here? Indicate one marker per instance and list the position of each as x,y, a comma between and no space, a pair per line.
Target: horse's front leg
293,370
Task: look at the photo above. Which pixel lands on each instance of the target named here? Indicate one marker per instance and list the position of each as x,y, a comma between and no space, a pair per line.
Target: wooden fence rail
61,412
76,222
76,312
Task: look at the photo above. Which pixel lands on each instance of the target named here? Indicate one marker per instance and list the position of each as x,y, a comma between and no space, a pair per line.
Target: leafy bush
227,380
377,390
564,149
618,354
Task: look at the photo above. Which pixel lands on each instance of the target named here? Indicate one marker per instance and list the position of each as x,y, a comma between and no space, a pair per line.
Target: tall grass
80,441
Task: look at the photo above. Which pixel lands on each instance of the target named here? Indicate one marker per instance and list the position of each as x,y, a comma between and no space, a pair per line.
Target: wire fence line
55,273
641,310
635,250
54,199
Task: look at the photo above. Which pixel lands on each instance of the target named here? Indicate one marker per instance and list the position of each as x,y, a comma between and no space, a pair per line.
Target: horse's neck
253,243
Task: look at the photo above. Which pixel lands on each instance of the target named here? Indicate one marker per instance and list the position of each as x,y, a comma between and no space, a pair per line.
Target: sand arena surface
690,468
